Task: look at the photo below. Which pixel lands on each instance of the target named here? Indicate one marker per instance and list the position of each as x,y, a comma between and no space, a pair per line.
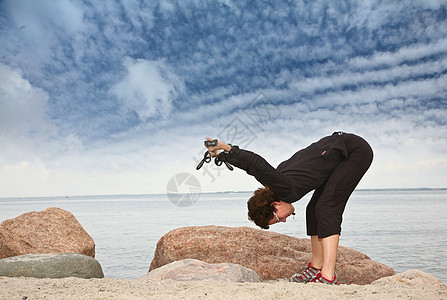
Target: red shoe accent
320,279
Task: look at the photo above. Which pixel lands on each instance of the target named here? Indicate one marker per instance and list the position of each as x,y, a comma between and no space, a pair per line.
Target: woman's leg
317,252
311,214
332,201
324,254
312,229
329,249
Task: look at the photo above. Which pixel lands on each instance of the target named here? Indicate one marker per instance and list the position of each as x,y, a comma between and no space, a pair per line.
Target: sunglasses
278,220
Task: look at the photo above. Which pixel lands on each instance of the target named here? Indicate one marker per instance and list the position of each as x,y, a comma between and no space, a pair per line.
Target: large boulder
271,255
193,269
52,230
56,265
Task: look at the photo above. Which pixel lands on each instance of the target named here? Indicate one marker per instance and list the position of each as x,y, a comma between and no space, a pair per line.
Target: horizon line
220,192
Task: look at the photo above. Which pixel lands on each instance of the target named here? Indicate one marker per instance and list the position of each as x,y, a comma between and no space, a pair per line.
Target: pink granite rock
415,277
271,255
52,230
193,269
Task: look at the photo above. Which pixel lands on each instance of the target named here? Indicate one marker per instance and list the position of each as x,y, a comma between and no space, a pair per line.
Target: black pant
325,209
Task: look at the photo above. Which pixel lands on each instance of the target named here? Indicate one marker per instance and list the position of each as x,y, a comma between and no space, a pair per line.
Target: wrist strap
231,150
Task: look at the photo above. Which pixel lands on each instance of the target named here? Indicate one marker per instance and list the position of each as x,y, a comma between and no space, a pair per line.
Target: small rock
55,265
193,269
416,277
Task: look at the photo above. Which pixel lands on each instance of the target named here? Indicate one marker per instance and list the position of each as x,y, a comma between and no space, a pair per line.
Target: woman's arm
255,165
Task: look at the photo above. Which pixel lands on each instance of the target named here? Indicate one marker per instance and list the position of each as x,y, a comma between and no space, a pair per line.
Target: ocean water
404,229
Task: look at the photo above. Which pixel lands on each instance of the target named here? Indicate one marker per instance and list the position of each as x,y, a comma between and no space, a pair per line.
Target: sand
107,288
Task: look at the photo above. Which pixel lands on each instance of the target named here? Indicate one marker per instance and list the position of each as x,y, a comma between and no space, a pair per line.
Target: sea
404,229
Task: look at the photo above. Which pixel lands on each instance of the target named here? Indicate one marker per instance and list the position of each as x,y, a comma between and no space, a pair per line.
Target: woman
332,166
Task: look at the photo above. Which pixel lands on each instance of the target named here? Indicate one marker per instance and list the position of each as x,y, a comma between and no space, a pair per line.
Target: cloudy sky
116,97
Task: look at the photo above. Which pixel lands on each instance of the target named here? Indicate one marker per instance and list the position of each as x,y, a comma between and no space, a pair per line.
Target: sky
117,97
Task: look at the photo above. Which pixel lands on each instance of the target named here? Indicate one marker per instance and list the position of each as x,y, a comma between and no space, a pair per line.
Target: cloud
403,55
22,105
431,4
40,25
23,120
148,89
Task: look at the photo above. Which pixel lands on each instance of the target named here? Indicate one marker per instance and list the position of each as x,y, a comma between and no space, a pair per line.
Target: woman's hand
215,150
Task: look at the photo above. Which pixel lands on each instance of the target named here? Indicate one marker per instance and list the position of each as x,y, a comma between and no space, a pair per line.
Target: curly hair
260,207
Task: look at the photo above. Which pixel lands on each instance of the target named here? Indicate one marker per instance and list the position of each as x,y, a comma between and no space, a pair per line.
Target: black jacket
305,171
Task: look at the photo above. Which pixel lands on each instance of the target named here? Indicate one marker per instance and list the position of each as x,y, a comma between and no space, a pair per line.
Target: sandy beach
75,288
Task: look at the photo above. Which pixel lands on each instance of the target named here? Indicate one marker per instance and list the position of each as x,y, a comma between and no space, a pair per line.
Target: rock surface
414,277
193,269
56,265
271,255
52,230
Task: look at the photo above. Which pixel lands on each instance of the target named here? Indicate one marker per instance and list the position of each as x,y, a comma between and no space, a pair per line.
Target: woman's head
263,205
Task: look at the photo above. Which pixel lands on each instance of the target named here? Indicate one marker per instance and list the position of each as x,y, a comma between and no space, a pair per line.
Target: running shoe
307,275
